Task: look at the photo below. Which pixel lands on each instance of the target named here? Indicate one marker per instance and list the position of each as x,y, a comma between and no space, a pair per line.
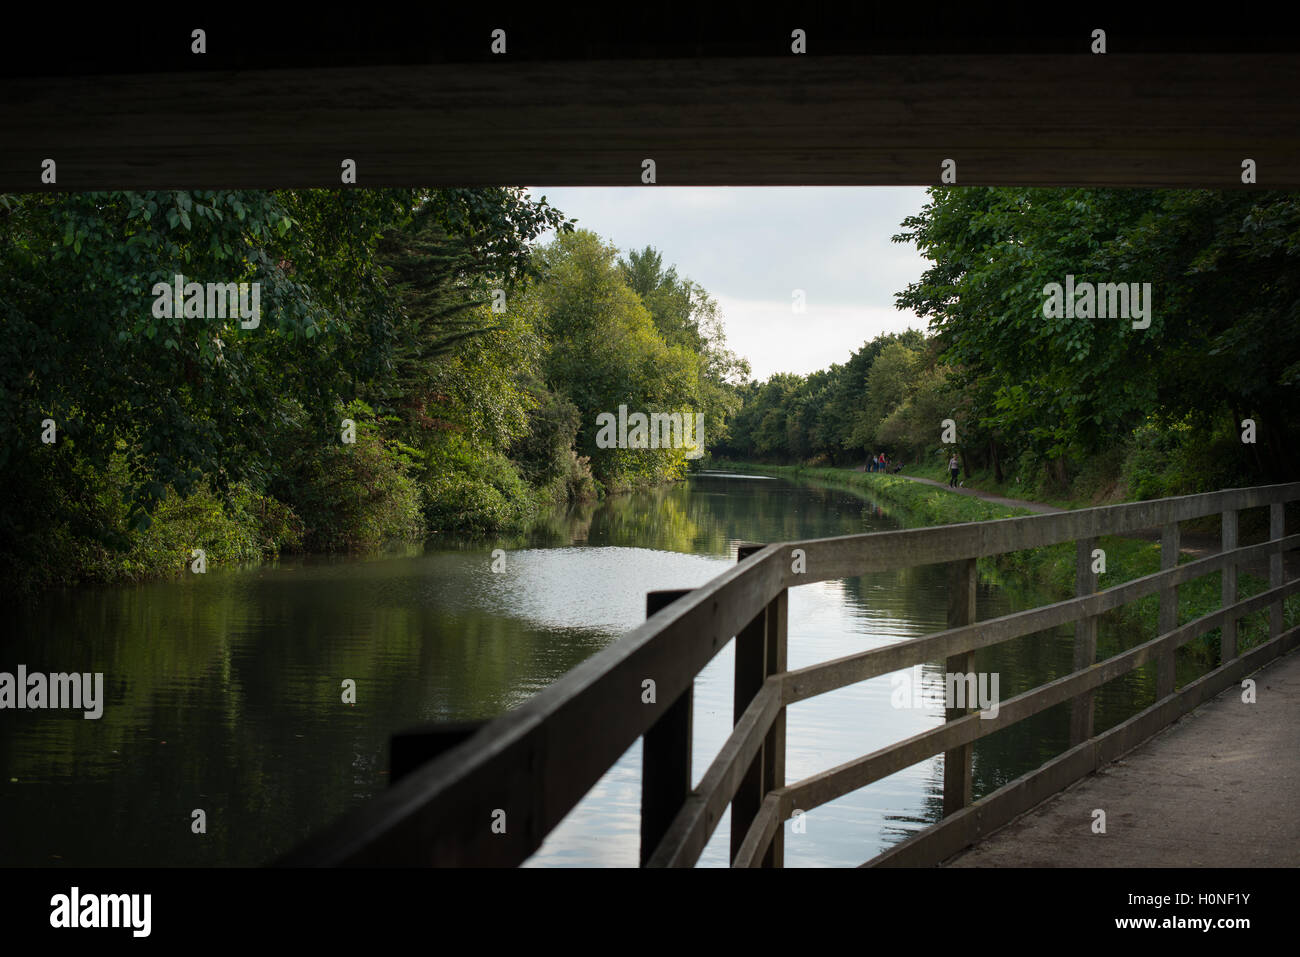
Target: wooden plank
957,763
1276,531
1166,670
761,834
665,754
828,785
1085,641
779,120
813,680
953,834
1228,638
699,816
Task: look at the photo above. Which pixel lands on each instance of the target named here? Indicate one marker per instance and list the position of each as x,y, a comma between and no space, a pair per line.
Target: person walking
952,470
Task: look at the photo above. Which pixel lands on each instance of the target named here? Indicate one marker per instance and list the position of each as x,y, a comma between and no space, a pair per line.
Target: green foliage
1069,407
1174,460
605,350
1223,342
85,533
470,492
179,428
354,496
833,414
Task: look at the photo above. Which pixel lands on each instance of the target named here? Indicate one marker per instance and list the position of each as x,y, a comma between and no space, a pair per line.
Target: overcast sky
751,247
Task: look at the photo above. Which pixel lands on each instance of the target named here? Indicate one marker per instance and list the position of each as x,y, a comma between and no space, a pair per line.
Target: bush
351,497
474,492
83,533
1179,460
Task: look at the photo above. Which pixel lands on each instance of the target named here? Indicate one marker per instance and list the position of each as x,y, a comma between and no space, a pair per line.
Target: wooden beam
760,653
1085,641
665,754
779,120
774,743
958,762
1276,531
761,834
1166,668
1228,541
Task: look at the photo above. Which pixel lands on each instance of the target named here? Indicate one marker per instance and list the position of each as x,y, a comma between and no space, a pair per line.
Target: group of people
880,463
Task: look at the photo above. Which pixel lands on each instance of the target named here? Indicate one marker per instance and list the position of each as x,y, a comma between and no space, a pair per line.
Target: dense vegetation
1063,407
420,366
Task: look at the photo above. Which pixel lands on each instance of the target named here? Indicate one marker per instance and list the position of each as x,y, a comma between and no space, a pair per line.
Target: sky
752,247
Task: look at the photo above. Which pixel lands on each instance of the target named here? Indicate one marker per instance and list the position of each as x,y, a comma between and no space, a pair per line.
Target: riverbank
1053,567
929,504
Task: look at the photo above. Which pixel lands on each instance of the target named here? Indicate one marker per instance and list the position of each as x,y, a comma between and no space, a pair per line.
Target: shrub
351,497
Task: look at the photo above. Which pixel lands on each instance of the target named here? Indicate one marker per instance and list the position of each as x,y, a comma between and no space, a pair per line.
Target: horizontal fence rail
490,796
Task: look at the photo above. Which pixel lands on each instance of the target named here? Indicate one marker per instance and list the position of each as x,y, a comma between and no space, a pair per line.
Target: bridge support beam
1085,641
958,764
760,652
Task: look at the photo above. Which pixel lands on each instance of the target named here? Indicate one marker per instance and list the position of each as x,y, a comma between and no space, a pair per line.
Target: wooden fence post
665,754
760,652
1166,673
1276,529
1228,640
1085,641
778,613
958,763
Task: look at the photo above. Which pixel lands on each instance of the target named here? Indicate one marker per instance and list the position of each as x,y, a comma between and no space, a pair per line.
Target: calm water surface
223,690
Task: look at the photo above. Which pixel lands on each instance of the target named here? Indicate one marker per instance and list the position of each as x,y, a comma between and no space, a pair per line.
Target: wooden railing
490,795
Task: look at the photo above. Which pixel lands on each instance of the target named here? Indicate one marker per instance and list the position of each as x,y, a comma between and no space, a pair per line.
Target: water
224,690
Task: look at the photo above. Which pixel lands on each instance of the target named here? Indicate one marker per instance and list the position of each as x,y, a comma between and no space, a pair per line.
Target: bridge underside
1215,789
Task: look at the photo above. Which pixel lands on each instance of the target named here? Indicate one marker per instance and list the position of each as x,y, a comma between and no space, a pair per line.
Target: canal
223,690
